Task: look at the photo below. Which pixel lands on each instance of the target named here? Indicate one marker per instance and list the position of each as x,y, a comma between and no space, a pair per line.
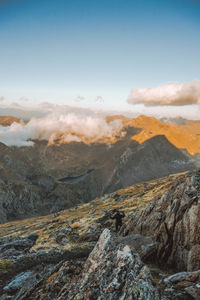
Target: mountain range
46,178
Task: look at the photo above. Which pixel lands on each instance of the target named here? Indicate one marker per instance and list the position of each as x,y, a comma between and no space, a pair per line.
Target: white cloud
65,127
16,104
16,135
2,98
174,94
46,105
190,112
80,98
23,99
99,99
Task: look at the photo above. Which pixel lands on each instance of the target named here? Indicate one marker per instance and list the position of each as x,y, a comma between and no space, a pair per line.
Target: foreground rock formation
172,220
113,272
77,255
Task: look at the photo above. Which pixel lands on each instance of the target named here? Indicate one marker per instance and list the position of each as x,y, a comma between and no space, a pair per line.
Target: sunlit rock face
173,221
182,136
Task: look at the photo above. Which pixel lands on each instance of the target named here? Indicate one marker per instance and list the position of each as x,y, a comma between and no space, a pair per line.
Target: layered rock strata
172,220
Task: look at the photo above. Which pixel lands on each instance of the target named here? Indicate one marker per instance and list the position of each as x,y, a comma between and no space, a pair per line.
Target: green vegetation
5,266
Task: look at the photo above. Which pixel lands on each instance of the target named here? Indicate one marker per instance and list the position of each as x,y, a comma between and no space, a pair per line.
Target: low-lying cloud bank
189,112
168,94
62,128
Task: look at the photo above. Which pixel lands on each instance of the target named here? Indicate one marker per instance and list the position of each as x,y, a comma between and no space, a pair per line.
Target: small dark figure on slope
118,216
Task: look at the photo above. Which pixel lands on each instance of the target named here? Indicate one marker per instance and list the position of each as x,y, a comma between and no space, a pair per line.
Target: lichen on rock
113,271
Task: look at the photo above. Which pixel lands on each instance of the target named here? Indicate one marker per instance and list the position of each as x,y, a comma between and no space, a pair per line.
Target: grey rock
17,283
144,245
17,246
183,284
194,291
175,277
32,236
172,221
112,271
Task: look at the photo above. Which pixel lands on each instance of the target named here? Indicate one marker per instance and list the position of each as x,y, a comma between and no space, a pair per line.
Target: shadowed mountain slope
30,175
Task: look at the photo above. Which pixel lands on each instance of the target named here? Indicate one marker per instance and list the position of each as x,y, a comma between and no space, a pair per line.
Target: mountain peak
181,136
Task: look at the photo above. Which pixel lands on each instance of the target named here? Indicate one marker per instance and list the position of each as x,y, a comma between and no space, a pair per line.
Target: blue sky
57,50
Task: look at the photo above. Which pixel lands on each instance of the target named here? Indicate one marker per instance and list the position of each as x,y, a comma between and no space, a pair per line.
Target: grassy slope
83,216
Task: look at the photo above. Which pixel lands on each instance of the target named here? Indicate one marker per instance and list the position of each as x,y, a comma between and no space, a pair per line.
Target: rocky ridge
182,136
172,220
75,254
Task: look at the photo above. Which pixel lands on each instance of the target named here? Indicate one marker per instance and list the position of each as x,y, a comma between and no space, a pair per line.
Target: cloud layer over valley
62,127
65,124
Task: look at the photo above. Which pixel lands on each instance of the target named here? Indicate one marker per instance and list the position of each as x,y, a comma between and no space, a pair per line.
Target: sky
101,54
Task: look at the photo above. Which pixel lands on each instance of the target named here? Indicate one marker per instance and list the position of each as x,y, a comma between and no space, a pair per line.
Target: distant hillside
154,158
8,120
184,136
191,126
38,180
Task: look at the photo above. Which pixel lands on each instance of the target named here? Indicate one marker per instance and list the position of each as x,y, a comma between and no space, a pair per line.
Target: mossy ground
5,266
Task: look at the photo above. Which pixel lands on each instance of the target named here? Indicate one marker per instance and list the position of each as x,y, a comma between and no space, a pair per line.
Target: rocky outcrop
184,285
144,245
17,246
23,269
112,271
172,220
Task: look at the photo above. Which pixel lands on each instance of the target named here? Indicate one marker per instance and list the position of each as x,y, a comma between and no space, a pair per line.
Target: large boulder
145,246
112,271
183,285
22,269
18,246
